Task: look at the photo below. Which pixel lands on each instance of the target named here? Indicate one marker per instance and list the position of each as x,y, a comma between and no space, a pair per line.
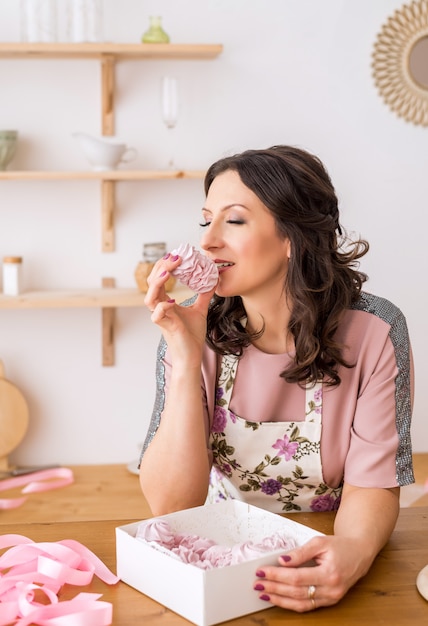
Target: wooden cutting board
13,418
422,582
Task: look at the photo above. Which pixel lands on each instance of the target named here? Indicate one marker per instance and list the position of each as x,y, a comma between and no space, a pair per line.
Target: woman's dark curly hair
322,279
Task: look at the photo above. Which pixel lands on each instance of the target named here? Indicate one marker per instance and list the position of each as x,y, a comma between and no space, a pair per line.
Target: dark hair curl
322,279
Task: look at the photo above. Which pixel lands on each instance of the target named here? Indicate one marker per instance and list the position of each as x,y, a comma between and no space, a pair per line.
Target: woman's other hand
363,524
299,587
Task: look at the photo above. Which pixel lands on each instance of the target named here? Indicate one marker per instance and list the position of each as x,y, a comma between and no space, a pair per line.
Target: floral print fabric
274,465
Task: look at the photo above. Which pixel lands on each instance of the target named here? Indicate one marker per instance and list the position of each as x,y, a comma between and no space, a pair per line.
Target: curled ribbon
29,570
43,480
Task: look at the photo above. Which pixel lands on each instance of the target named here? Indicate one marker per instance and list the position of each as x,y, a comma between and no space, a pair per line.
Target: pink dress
288,448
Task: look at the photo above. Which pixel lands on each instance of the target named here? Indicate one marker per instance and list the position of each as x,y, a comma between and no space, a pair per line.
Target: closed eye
205,224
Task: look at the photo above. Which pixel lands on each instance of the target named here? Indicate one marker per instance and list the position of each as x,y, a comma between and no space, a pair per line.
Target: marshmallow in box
205,596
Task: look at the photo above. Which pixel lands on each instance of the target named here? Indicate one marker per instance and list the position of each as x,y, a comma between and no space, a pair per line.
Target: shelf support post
107,86
108,317
107,214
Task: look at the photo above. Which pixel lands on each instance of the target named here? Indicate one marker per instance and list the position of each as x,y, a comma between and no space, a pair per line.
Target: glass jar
12,268
8,141
155,33
152,252
39,20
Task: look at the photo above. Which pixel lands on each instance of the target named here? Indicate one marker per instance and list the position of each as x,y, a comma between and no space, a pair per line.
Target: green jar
8,139
156,33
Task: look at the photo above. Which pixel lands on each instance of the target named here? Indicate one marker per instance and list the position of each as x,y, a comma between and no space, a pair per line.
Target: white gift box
205,597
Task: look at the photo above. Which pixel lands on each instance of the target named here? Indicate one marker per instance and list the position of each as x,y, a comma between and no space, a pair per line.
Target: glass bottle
155,33
152,252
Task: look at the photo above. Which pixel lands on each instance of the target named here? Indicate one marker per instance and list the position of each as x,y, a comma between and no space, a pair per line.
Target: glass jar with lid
152,252
12,275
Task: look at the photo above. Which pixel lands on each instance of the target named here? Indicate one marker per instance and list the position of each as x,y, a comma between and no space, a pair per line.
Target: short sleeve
380,451
163,375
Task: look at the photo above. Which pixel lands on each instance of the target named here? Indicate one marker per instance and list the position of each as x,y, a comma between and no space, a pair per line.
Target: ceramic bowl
8,139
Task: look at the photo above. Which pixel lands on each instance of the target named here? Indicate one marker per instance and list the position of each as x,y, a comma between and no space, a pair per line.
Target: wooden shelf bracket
108,318
108,202
107,91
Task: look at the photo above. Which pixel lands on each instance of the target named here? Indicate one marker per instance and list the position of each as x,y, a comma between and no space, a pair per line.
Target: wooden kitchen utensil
422,582
13,418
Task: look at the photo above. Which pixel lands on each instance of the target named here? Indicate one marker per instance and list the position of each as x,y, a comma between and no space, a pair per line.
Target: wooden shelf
108,298
83,298
115,175
121,51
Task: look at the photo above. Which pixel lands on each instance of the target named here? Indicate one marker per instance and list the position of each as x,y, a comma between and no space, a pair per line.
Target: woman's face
241,238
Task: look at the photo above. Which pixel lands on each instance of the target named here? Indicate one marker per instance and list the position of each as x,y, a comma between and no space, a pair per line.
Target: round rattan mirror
400,62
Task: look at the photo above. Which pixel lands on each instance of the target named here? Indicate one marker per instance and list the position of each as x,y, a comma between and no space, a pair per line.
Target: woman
289,387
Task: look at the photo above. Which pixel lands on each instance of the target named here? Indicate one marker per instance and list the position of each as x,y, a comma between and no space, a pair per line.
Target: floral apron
273,465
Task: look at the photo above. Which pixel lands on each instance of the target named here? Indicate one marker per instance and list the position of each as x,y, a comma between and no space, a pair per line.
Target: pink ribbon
44,480
32,571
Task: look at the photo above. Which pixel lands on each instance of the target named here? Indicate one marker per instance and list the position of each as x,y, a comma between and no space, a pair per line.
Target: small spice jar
12,270
152,252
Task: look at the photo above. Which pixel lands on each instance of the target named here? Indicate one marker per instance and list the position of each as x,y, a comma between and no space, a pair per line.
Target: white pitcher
104,153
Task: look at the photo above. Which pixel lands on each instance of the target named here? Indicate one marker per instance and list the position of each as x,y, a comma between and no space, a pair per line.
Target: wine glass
169,104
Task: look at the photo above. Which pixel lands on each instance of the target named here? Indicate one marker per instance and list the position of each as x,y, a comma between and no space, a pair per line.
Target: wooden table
386,596
99,492
110,492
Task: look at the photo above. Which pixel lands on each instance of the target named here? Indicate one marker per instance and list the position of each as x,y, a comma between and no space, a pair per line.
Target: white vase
39,20
85,20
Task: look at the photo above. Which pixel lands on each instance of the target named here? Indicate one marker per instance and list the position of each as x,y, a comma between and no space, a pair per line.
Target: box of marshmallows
202,593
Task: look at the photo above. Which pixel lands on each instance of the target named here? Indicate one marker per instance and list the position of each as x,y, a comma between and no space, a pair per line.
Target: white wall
291,72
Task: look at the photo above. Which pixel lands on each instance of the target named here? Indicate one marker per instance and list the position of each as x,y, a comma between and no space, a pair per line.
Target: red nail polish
260,573
175,258
265,597
171,301
259,587
163,274
286,558
167,256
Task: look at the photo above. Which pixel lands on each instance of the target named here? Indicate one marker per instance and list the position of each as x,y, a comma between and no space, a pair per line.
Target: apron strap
313,409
